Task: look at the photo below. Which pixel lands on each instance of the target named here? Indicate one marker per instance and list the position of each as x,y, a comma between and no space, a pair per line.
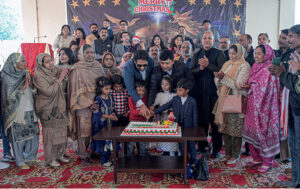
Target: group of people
106,80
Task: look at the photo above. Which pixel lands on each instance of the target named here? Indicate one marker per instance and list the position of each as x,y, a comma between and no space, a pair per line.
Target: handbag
234,104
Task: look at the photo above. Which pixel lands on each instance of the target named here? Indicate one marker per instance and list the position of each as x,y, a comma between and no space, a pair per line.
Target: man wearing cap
290,79
207,27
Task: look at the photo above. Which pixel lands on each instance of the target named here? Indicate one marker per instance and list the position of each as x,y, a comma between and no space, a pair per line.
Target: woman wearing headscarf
234,73
108,63
81,93
50,104
125,58
20,121
262,120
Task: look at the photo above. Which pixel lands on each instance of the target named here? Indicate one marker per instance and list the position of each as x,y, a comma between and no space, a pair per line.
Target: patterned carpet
77,175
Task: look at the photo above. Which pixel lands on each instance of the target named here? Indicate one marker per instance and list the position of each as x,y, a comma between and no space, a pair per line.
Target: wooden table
150,164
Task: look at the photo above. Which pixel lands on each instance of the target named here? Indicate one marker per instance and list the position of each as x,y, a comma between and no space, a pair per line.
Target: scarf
110,71
50,101
11,92
223,89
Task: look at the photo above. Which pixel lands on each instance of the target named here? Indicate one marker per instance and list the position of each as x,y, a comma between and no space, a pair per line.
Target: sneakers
54,164
8,158
63,159
3,165
25,166
107,164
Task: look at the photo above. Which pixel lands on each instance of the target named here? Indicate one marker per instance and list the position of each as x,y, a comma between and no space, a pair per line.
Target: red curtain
31,50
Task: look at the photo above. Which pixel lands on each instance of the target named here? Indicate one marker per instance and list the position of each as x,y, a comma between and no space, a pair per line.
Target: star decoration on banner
236,33
101,2
192,2
207,2
237,18
75,4
238,3
75,19
116,2
86,2
222,2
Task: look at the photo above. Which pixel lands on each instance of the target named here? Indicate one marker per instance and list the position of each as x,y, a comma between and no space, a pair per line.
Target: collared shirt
143,74
188,63
183,99
121,101
170,72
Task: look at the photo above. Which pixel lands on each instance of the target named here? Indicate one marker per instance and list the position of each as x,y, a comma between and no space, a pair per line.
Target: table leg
185,161
115,162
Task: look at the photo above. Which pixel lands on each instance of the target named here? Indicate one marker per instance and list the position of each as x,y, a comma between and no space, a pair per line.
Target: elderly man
224,46
186,54
176,69
207,27
290,81
154,53
123,28
138,68
94,34
122,48
246,41
182,32
103,44
204,63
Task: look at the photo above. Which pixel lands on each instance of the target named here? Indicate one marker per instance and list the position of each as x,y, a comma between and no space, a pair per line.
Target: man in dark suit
103,44
176,69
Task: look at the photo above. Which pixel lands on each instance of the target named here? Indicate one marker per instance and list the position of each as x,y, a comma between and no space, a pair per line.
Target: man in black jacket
103,44
246,41
290,80
176,69
204,63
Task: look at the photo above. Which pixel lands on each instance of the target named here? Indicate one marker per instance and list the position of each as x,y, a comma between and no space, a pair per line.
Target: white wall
262,16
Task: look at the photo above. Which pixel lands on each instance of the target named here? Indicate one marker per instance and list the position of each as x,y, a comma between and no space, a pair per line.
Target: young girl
162,98
103,117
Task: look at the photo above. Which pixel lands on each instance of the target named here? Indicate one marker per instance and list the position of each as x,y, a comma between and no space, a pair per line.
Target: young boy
120,96
135,115
185,112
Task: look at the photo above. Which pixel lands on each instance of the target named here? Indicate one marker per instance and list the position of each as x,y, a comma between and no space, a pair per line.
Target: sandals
264,168
253,163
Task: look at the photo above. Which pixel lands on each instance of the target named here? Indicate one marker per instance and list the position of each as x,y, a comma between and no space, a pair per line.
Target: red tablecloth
31,50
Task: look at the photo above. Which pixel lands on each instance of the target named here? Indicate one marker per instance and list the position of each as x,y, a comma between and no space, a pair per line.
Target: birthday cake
164,128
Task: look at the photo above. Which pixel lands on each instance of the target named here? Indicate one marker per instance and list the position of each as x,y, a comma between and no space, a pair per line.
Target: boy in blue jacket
185,112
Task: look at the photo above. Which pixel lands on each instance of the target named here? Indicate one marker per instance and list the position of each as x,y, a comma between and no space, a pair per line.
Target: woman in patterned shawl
82,91
262,120
50,104
20,121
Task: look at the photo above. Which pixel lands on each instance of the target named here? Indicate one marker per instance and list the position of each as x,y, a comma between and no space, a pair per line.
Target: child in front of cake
135,115
162,98
120,96
101,118
185,112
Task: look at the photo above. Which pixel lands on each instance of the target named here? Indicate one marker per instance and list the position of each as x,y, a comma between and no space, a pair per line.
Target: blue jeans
294,143
191,149
5,141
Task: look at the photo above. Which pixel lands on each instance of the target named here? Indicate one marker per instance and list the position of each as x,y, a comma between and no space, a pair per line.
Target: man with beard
186,51
94,34
246,41
224,46
154,53
103,44
204,63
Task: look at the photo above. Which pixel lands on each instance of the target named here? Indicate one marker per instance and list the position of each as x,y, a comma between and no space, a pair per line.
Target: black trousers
205,105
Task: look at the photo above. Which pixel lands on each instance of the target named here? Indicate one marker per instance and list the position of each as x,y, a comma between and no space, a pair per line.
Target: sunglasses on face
141,65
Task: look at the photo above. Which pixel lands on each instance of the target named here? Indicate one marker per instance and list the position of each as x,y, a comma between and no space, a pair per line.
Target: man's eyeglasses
141,65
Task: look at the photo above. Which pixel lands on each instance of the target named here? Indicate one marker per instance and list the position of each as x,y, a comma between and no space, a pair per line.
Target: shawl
110,71
11,92
81,85
121,66
262,119
50,101
223,89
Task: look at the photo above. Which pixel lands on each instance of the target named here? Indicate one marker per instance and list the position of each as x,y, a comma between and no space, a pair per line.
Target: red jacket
134,114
